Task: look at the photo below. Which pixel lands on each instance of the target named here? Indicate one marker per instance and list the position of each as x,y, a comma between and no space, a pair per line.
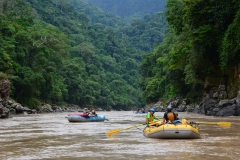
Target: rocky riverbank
9,107
211,105
214,103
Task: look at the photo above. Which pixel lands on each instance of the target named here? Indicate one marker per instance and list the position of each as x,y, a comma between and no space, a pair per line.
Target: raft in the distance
140,112
80,117
172,131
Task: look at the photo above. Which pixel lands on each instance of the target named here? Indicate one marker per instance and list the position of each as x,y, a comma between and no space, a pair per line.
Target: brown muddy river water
52,137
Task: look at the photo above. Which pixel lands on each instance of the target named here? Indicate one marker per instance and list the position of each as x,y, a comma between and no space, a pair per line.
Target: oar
158,122
116,131
222,124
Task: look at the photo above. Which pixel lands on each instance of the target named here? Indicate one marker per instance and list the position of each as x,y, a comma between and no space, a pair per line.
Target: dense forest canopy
69,52
96,15
202,42
129,9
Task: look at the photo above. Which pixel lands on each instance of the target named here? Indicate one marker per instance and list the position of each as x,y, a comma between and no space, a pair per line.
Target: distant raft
140,112
85,118
172,131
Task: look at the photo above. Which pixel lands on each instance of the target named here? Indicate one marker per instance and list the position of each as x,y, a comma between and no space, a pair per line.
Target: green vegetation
202,42
70,52
129,9
60,53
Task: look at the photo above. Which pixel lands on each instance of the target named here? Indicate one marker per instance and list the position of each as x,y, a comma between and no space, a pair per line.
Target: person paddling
92,113
150,116
169,116
86,111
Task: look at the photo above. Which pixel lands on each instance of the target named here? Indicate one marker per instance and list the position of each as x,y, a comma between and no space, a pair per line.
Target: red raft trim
79,114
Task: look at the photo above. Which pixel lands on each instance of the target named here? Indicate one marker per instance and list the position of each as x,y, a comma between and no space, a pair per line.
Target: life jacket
170,116
149,119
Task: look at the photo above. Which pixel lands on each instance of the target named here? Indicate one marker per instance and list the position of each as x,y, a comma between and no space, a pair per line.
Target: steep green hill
201,45
56,53
141,33
130,8
96,15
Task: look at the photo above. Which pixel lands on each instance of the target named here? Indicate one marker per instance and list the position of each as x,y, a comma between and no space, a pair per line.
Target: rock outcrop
4,96
210,105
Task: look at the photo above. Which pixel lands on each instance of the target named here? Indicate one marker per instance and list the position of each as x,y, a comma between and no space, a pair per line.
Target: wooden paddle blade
115,131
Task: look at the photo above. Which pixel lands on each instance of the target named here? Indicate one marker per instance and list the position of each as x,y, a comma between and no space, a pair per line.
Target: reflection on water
51,136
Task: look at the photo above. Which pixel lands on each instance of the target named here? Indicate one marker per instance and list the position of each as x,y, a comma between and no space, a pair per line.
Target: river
52,137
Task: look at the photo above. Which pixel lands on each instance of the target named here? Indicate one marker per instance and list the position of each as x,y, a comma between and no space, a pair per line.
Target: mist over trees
129,9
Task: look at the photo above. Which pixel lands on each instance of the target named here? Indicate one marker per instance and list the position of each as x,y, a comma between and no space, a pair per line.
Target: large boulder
238,109
228,111
4,89
226,102
184,106
45,108
4,96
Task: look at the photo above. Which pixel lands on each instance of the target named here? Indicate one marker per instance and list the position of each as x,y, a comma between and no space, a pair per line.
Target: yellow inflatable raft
172,131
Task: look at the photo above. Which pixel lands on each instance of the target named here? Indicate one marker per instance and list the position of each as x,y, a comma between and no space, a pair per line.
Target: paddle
222,124
116,131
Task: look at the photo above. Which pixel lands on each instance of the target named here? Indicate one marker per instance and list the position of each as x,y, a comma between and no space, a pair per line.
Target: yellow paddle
222,124
116,131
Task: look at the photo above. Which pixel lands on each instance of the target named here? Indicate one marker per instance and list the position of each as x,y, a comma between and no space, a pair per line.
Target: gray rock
12,111
228,111
222,88
237,109
222,94
216,109
13,105
5,113
215,95
226,102
181,108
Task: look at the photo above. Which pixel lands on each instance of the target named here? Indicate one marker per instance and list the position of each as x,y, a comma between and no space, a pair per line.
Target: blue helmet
152,110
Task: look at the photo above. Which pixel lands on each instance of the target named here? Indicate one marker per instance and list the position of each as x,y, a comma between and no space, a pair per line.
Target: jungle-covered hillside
129,9
200,51
70,52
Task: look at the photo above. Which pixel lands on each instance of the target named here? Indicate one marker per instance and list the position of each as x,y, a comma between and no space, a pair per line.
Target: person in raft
85,110
176,115
92,113
150,116
169,116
